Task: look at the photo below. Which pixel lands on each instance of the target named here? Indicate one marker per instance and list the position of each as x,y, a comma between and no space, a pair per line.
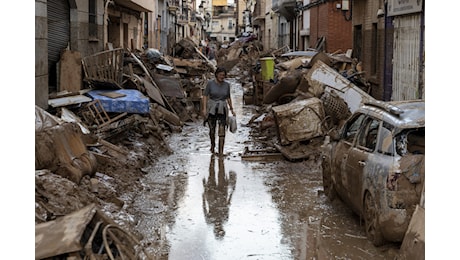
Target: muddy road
201,206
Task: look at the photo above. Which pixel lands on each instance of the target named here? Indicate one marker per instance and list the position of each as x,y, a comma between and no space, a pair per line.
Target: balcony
285,8
182,19
137,5
173,5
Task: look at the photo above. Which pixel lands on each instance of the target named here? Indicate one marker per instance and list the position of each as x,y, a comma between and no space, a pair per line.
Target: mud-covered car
376,165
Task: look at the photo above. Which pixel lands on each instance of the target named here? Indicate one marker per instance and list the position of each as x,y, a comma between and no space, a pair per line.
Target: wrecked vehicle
376,165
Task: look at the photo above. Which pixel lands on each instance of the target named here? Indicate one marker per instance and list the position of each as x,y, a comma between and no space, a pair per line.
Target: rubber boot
213,141
221,133
221,145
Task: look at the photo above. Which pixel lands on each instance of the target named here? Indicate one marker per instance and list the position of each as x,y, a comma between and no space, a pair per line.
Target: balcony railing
173,5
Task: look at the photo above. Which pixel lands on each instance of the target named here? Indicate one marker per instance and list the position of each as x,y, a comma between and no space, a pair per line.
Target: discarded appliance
328,78
300,120
122,100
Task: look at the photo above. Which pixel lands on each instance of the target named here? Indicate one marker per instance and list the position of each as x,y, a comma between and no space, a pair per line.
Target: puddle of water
234,209
226,213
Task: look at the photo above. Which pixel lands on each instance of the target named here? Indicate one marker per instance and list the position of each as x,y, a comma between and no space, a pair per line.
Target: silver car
376,165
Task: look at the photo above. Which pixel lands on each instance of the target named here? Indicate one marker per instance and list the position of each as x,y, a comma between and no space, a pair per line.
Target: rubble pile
303,96
93,144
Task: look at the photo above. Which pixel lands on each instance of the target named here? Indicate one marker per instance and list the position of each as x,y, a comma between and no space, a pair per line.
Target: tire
371,220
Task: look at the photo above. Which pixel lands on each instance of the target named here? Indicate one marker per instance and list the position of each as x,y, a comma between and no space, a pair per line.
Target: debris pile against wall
95,141
282,80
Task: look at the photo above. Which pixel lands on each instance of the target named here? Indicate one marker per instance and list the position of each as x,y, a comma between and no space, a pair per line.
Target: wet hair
220,69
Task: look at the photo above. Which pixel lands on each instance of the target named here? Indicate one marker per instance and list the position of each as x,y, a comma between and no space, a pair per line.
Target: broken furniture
96,114
59,147
85,234
104,68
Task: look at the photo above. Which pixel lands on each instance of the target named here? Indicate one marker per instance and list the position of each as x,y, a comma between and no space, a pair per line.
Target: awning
137,5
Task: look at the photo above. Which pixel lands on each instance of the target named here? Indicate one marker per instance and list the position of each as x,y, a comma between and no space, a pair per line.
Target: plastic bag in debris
153,54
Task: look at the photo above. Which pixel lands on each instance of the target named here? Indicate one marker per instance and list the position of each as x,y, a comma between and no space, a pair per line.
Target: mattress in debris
121,100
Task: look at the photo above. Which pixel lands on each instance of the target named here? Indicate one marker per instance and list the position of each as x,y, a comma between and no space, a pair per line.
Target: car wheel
371,220
328,186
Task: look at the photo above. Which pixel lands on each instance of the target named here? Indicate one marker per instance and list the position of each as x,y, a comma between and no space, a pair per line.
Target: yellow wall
219,2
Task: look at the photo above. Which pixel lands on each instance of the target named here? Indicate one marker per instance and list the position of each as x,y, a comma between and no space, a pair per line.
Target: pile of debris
94,142
303,96
132,100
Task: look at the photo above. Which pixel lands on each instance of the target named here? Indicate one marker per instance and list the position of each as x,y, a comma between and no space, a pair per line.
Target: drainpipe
106,18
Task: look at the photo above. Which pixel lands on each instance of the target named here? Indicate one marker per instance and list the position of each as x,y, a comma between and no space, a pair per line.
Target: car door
360,160
346,142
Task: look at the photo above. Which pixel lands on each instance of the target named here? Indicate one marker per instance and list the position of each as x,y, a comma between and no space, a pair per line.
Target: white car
376,165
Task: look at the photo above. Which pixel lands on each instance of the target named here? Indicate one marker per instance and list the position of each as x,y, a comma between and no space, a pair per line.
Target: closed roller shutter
406,59
58,35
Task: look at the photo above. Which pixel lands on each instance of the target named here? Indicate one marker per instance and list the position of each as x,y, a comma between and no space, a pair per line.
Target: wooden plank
296,152
65,101
70,71
112,146
261,155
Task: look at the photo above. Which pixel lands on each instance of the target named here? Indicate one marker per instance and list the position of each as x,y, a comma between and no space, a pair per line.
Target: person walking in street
216,101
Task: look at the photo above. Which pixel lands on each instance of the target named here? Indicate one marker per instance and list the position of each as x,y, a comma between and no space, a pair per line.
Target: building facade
387,36
91,26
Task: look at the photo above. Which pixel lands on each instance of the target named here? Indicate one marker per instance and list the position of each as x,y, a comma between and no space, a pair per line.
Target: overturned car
376,165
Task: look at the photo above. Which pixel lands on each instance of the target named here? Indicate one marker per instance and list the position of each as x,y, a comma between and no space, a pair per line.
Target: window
386,143
368,136
92,19
352,128
357,42
230,24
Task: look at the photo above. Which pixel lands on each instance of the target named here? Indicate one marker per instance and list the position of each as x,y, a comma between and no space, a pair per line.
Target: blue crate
133,101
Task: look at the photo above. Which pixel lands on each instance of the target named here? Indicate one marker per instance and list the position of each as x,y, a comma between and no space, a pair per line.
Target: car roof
401,114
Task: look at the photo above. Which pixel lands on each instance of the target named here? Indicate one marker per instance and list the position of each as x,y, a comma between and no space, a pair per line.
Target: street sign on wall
399,7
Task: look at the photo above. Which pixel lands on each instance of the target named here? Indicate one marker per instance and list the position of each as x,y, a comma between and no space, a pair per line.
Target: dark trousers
217,121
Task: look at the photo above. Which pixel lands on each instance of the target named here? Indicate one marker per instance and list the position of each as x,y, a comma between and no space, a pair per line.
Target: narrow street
201,206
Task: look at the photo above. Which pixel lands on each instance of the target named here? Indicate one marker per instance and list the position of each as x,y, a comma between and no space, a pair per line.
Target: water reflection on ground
202,206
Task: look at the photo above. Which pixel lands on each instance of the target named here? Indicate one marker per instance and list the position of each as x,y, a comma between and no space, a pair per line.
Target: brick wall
326,20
